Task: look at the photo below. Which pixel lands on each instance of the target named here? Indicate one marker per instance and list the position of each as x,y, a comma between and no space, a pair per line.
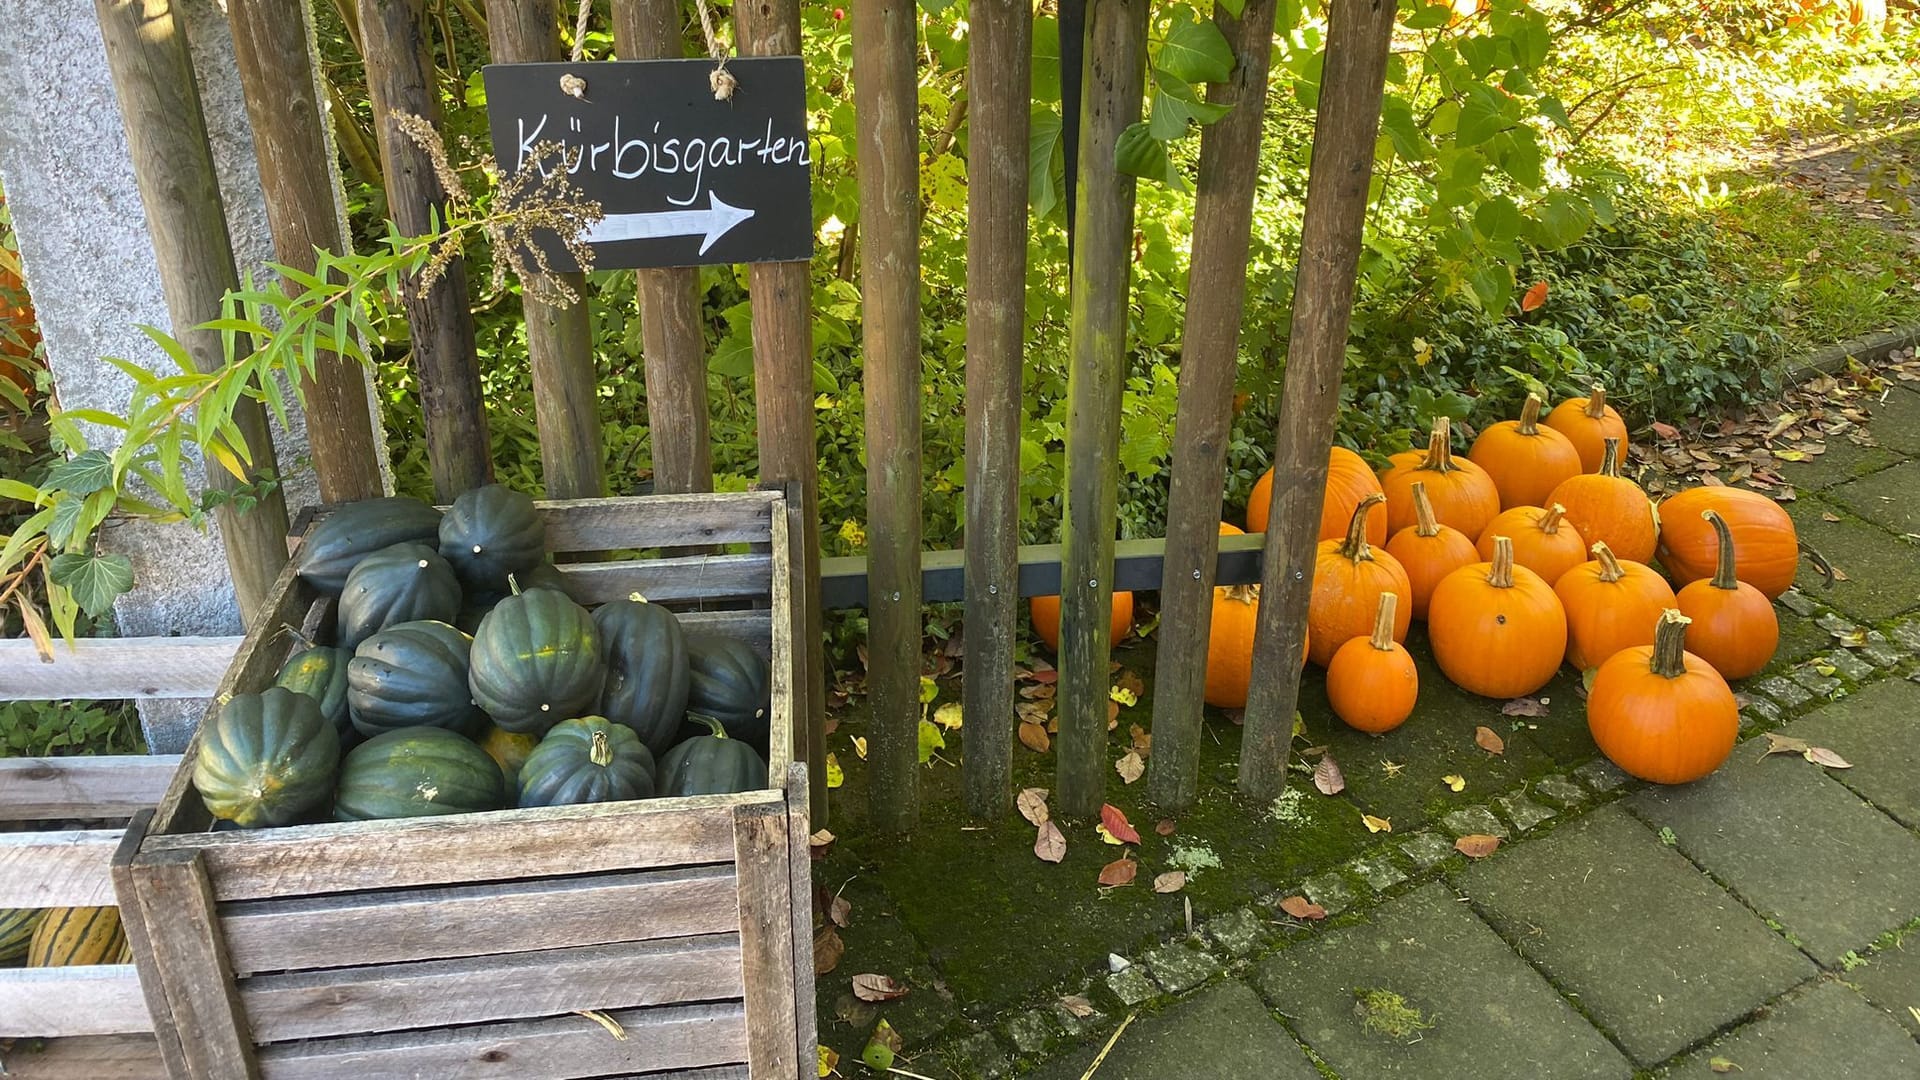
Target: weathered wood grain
647,521
780,647
108,1057
475,920
62,868
40,789
462,849
109,668
185,950
546,982
684,578
766,938
807,660
103,999
133,922
800,875
673,1037
752,627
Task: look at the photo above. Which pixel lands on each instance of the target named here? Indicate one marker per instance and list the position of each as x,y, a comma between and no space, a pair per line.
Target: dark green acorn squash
536,662
401,584
544,576
412,675
647,673
588,760
490,533
350,533
320,672
266,758
731,683
712,764
417,772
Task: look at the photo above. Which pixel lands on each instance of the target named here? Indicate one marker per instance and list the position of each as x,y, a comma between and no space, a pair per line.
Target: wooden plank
40,789
802,617
999,61
1209,359
546,982
673,1037
800,882
475,920
1359,33
110,1057
1096,375
176,904
752,627
64,868
104,999
781,644
462,849
684,578
106,669
766,938
649,521
133,922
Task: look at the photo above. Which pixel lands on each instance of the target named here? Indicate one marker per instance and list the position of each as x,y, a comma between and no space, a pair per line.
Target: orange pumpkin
1045,612
1734,627
1588,422
1496,628
1428,550
1348,577
1525,460
1611,605
1462,493
1348,481
1661,713
1605,507
1372,681
1543,541
1768,550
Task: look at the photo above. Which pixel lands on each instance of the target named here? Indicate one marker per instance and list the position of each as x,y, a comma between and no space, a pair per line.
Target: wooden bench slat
685,1037
545,982
752,627
477,920
66,868
43,789
109,669
657,521
103,999
99,1057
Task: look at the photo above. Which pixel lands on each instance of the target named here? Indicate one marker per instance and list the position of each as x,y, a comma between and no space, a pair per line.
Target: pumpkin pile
463,678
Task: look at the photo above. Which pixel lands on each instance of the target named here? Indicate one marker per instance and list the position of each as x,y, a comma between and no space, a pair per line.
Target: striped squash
76,937
16,930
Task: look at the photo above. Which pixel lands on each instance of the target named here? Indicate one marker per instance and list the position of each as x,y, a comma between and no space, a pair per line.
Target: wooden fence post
400,79
559,337
1097,359
782,295
885,97
1345,127
1209,354
670,335
173,165
273,49
999,65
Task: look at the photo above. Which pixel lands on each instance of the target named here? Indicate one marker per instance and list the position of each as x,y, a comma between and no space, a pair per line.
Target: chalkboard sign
683,179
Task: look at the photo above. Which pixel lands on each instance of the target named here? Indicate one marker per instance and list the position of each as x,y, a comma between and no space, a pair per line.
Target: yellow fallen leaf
835,774
1454,781
1376,824
829,1060
1124,696
1106,836
948,716
928,690
860,746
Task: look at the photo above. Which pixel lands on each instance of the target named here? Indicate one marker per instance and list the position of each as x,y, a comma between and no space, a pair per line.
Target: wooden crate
468,945
73,1023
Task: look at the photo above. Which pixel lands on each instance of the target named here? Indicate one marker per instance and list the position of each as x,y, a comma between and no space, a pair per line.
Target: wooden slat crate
470,945
72,1023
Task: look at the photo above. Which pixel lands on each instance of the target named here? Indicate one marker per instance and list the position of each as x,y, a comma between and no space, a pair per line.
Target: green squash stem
719,731
601,752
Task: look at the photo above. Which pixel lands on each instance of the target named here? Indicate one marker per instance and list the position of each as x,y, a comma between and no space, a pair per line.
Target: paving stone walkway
1762,923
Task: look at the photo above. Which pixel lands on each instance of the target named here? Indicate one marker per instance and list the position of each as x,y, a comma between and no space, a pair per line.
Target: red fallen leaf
1119,872
1034,737
1487,739
1665,431
1043,675
1116,823
1302,908
1535,297
1477,845
871,987
1166,827
1050,845
827,950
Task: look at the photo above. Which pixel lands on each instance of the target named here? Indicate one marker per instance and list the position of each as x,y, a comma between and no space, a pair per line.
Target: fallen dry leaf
871,987
1524,706
1166,827
827,950
1489,740
1050,844
1375,824
1130,767
1171,881
829,1061
1826,516
1142,740
1032,803
1115,822
1477,845
1721,1065
1665,431
1301,908
1454,781
1820,755
1327,776
1534,297
1034,737
1119,872
840,910
820,839
1785,744
1113,714
1130,681
1077,1005
860,747
948,716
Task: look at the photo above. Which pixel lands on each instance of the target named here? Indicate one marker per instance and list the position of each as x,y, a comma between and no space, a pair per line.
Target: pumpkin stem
1723,568
601,752
1549,522
1501,574
1243,594
1382,638
1423,520
1670,645
513,583
1530,415
1440,447
1610,457
1355,546
719,730
1610,570
1597,402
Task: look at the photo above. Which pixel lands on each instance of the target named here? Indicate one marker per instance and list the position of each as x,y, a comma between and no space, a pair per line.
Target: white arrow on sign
713,223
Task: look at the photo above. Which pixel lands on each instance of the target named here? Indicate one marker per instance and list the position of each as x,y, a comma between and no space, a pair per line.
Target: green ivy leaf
1555,110
1480,117
1138,153
1195,50
733,357
1046,161
930,740
82,474
1492,285
1046,60
1424,16
94,580
1561,219
1175,105
1498,219
1234,7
